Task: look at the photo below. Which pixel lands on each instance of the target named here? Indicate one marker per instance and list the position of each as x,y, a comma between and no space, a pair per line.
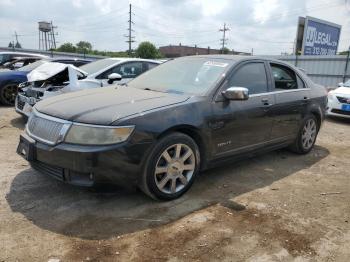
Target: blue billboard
320,37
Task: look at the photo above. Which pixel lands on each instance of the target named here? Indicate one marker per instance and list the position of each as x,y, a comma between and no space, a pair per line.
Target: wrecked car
9,80
49,79
54,79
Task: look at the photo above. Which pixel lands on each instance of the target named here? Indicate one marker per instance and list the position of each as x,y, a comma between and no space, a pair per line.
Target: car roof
68,58
124,59
240,58
22,54
235,58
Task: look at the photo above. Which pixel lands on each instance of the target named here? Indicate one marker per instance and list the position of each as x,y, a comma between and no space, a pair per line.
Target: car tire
8,94
307,135
171,167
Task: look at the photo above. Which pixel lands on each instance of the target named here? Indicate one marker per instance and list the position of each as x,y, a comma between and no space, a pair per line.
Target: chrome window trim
280,92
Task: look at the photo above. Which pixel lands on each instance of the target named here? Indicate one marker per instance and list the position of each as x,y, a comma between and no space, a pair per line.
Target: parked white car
105,71
339,101
52,79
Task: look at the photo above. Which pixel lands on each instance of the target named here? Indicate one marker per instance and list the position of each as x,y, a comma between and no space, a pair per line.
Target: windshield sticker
213,63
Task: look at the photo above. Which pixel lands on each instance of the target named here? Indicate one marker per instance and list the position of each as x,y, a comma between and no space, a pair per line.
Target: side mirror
341,84
114,77
236,93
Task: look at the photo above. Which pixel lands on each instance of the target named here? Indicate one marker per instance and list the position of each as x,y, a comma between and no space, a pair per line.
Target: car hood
103,106
341,90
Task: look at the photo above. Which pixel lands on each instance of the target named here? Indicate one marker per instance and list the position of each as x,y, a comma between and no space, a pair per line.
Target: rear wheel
8,94
307,135
171,167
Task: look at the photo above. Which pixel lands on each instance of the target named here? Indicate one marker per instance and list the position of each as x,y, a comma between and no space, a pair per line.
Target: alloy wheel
9,94
175,168
309,134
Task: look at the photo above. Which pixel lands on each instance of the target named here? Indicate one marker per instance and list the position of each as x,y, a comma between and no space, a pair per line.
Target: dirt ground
275,207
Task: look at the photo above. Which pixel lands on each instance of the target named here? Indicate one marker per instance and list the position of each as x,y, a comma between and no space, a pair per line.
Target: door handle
265,102
306,99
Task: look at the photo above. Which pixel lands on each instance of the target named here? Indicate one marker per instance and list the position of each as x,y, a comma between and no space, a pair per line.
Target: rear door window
251,76
284,78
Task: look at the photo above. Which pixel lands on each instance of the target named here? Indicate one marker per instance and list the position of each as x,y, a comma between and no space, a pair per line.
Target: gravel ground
275,207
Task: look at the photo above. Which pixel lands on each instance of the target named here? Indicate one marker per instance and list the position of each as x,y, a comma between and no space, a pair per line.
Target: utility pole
224,39
16,37
346,65
129,36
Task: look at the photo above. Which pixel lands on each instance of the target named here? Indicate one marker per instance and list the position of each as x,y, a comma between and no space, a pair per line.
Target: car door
292,98
239,126
127,70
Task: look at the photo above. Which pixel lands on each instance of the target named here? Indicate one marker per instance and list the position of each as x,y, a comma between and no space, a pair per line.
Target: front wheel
307,135
171,167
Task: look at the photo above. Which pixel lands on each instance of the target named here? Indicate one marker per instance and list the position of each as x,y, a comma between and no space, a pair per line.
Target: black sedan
165,126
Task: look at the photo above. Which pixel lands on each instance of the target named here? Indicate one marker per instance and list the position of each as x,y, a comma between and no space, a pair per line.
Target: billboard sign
320,37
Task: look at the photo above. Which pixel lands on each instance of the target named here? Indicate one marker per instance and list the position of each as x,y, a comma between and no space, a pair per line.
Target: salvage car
339,101
49,79
168,124
60,79
10,80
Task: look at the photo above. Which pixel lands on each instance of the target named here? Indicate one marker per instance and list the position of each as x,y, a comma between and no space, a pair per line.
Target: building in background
171,51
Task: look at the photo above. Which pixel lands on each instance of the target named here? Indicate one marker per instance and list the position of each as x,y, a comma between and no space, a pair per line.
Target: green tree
10,45
225,50
18,45
67,47
147,50
84,47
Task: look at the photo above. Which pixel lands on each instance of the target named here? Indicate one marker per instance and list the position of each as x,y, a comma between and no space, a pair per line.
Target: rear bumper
86,165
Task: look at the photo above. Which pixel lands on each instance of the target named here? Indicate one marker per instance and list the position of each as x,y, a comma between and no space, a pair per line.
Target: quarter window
284,78
251,76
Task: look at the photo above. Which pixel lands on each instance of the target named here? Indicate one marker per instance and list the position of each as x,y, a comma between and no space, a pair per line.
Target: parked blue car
9,80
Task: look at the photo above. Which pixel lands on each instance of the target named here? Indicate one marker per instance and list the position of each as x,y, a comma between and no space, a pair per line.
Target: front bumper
335,108
85,165
24,105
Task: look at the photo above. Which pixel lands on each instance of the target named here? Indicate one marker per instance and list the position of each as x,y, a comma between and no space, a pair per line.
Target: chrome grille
46,129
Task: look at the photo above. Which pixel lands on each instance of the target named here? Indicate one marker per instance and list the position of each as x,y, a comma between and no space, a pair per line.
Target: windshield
347,83
32,66
190,75
98,65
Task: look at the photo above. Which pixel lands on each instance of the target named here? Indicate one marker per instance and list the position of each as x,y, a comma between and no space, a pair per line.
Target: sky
266,26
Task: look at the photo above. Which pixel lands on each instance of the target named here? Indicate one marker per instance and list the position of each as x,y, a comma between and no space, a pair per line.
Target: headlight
97,135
